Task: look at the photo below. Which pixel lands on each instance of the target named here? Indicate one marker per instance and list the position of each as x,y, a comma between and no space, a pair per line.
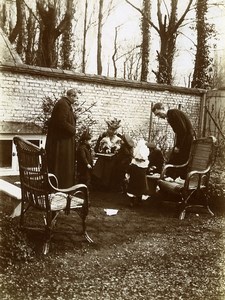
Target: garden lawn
140,253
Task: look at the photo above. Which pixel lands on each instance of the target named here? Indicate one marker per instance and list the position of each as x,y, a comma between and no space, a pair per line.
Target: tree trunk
200,78
84,38
50,32
18,28
167,30
99,38
145,39
115,52
66,46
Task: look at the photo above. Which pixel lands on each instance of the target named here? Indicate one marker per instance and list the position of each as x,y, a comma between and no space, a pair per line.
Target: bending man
184,135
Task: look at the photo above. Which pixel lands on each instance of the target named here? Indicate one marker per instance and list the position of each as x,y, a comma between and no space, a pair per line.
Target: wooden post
150,124
202,117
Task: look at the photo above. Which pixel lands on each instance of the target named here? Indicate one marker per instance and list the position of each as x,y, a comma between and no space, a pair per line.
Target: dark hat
127,139
151,145
114,123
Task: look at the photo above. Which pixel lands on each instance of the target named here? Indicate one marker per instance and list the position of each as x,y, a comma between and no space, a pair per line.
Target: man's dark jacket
184,135
60,143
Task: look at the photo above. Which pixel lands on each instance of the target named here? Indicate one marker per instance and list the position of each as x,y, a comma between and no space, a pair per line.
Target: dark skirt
103,170
137,183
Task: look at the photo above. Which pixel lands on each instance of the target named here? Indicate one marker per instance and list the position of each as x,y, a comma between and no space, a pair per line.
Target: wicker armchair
39,190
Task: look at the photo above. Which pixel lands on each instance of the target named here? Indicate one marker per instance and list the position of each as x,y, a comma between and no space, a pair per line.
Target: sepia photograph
112,149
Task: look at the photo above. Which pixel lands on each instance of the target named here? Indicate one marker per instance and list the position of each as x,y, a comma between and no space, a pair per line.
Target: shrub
14,245
82,112
217,178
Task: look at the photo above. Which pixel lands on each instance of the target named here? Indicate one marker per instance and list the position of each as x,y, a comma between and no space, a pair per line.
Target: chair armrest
192,173
73,188
166,167
50,175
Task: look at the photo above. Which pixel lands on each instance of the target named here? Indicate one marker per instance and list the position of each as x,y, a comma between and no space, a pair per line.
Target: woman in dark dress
108,143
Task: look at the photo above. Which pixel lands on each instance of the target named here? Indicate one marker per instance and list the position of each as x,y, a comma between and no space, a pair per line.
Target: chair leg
47,242
182,214
207,206
23,210
46,247
87,237
203,195
210,211
50,221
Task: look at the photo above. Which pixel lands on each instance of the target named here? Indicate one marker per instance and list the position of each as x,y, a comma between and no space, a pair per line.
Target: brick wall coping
68,74
10,127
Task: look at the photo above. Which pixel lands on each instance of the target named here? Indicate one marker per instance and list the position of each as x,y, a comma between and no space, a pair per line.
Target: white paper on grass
110,211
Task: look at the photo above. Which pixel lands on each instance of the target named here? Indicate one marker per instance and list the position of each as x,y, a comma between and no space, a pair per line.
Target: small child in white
137,185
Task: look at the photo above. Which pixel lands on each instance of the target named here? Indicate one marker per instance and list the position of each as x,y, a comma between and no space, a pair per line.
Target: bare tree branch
142,13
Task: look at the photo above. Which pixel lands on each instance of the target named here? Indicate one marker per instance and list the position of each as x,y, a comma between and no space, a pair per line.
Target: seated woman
109,142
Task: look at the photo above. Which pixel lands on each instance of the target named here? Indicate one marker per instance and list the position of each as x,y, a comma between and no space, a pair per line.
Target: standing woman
60,143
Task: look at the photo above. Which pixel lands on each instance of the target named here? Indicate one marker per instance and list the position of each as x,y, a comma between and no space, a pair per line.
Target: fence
214,117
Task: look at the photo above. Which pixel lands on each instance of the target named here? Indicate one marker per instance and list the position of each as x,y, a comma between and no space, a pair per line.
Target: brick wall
24,87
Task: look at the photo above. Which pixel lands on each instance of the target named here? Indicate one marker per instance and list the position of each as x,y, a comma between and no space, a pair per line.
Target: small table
107,155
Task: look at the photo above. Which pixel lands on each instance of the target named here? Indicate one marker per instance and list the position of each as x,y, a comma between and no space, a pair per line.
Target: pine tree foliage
201,76
145,47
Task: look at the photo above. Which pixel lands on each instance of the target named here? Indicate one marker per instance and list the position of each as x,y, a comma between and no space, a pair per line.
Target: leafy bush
217,178
14,245
83,114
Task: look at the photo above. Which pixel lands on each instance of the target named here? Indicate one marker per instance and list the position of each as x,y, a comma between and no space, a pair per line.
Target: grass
140,253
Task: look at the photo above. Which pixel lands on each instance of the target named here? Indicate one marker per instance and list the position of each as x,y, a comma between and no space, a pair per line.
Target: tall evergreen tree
99,38
30,52
145,40
67,36
201,78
